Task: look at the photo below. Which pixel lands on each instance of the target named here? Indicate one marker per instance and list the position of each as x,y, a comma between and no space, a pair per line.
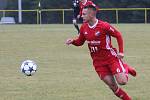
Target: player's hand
120,55
69,41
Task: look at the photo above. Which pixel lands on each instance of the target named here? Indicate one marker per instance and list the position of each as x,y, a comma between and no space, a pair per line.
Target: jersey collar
94,24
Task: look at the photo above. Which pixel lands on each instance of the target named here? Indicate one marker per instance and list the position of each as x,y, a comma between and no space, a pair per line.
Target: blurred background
60,11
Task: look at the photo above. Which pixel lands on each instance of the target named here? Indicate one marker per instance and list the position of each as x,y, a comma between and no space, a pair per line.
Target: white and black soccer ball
28,67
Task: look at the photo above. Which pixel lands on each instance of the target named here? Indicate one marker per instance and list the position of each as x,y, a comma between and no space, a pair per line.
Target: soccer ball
28,67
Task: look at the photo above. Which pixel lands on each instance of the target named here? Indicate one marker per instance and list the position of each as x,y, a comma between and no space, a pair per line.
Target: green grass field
66,72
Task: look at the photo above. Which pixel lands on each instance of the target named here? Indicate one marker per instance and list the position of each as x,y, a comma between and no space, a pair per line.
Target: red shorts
109,66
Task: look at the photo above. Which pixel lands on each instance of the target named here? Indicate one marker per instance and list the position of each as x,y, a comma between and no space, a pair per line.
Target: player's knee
122,81
74,21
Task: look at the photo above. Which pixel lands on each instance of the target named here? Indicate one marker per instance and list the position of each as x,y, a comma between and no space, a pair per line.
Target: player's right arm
79,40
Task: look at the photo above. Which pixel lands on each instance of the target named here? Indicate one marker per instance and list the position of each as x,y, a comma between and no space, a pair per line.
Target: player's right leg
110,81
106,75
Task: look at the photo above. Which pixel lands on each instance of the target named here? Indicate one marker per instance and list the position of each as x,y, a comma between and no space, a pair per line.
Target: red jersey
98,38
87,3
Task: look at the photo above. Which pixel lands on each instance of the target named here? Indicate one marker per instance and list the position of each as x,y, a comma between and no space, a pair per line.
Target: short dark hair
91,7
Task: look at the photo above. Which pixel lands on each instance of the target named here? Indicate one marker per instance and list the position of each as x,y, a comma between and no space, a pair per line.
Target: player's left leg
76,25
130,69
121,78
119,71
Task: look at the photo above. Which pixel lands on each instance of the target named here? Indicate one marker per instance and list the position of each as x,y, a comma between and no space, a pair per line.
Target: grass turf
66,72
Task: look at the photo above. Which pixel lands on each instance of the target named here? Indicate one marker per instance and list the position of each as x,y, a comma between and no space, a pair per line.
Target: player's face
86,15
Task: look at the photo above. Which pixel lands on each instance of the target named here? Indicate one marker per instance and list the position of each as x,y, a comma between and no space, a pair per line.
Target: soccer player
107,61
76,10
78,6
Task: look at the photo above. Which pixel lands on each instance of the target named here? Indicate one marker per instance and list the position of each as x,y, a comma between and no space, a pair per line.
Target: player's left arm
115,33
